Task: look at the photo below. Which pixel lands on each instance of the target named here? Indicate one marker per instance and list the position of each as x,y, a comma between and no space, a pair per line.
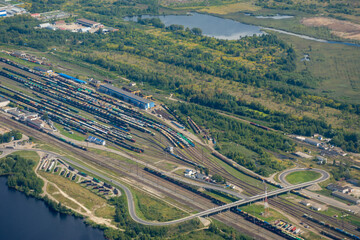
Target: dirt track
344,29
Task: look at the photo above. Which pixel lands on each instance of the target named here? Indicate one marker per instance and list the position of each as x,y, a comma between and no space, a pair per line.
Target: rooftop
128,94
3,99
87,21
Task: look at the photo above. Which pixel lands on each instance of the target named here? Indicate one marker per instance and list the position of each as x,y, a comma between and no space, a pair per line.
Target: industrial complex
127,96
90,117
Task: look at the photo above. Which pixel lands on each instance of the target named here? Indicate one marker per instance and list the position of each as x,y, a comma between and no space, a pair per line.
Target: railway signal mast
266,204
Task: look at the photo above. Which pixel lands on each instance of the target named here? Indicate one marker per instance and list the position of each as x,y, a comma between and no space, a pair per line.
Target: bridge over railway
205,213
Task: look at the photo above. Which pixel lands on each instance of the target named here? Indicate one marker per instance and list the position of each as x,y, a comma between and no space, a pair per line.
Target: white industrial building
4,102
312,142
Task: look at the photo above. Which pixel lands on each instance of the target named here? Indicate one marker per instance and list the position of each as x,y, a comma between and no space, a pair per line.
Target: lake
24,217
227,29
211,26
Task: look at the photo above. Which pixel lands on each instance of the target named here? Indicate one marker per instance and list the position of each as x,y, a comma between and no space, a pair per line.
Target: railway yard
152,149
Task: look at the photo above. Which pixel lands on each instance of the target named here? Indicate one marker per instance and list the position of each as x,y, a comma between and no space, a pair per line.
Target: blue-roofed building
3,13
127,96
96,140
72,78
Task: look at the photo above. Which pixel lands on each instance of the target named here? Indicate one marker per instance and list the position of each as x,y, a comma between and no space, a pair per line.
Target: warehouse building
88,23
127,96
35,123
40,69
72,78
4,102
346,197
338,188
312,142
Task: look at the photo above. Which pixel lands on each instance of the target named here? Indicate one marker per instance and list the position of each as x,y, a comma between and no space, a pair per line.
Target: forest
228,130
21,174
262,62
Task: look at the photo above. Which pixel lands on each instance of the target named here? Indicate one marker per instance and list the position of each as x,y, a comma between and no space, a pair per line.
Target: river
227,29
23,217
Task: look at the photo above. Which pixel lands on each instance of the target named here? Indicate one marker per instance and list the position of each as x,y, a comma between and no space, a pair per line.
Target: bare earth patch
344,29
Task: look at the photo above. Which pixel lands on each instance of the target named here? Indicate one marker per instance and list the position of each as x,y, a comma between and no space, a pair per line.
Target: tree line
9,136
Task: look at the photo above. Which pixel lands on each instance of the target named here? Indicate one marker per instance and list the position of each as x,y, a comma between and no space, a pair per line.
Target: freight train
64,92
352,236
66,141
260,126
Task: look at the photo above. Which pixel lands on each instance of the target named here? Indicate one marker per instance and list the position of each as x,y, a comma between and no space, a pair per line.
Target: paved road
331,201
282,177
208,212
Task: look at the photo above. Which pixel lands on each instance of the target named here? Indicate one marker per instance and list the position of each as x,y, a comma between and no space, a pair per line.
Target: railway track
295,210
214,167
160,185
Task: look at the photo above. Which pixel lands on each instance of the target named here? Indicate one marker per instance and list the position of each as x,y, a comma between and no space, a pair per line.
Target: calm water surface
25,218
222,28
211,26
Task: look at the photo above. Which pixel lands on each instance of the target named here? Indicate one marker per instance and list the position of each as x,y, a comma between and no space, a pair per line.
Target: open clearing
336,65
302,176
231,8
344,29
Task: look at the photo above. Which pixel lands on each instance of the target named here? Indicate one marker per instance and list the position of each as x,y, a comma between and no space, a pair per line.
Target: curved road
324,175
208,212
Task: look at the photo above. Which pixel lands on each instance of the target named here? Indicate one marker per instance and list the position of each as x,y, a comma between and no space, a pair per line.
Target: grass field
28,155
221,197
258,210
242,176
76,136
302,176
82,195
231,8
336,65
111,155
150,208
342,214
105,212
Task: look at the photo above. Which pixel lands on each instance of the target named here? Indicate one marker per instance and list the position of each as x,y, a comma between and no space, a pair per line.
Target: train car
82,174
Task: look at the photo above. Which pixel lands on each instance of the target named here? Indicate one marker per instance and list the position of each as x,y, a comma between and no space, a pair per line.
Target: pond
25,217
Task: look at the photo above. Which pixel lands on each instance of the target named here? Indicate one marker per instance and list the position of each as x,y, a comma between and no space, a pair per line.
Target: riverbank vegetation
19,168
